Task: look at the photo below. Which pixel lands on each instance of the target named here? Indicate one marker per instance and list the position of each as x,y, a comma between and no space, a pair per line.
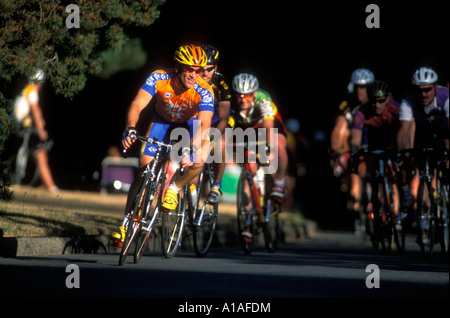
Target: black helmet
378,89
212,54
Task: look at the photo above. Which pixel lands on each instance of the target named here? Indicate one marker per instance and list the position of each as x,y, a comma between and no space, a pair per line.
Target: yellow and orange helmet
191,55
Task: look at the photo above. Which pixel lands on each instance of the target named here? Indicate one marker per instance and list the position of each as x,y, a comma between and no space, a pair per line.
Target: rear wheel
425,218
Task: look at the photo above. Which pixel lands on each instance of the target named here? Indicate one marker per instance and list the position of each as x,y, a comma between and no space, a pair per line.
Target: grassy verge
35,212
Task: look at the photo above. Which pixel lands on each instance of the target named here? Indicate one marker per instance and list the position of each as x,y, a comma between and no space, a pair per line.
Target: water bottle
260,185
260,180
193,193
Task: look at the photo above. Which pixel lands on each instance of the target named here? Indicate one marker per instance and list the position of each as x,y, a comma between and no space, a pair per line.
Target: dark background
303,53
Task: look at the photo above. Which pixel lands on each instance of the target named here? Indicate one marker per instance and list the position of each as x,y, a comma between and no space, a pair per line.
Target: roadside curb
93,244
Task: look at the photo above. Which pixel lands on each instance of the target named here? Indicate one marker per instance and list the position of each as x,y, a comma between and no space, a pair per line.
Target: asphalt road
327,265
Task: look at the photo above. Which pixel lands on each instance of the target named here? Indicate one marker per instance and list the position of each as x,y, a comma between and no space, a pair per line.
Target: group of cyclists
194,95
371,119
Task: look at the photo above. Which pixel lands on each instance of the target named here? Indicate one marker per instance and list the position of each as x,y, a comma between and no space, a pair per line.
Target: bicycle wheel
150,219
204,218
132,229
442,214
173,225
246,212
271,226
382,223
425,218
134,219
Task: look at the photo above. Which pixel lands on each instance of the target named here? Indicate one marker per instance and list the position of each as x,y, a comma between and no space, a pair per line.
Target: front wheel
172,226
425,218
271,227
443,218
246,212
204,218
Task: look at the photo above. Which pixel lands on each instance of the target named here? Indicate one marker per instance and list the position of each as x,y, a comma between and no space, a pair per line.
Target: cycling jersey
431,120
221,93
263,108
378,131
175,106
22,108
173,102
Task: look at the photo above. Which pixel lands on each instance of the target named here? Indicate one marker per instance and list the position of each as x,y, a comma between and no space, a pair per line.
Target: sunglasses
189,69
424,90
379,101
245,96
209,69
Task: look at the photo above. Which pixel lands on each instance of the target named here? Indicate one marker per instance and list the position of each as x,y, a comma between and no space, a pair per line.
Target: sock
174,187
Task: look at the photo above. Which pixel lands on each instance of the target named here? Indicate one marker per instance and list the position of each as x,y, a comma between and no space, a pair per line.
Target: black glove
128,132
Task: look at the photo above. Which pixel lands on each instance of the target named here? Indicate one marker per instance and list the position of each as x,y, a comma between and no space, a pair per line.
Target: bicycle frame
136,219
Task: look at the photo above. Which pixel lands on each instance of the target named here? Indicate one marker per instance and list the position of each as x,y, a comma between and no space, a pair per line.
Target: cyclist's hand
186,161
127,140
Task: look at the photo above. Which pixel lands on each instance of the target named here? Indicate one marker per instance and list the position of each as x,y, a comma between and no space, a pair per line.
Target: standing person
256,109
28,113
222,106
182,97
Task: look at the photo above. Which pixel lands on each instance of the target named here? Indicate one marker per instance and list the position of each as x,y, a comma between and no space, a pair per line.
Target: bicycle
432,203
143,215
256,210
27,170
380,218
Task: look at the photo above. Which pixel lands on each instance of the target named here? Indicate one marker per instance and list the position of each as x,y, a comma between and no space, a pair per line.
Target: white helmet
362,76
245,83
38,77
424,76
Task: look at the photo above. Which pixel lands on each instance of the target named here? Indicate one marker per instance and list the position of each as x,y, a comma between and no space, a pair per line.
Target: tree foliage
34,35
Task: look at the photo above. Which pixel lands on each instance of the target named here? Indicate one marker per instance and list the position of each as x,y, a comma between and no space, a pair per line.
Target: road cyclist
222,110
424,124
254,109
183,100
340,148
374,131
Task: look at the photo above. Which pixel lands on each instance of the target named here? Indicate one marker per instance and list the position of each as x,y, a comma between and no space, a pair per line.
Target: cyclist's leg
219,169
190,172
278,189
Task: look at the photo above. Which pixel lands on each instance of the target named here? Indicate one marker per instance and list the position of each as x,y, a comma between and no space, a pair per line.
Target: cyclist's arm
338,135
139,103
224,110
201,139
355,139
36,113
268,123
404,135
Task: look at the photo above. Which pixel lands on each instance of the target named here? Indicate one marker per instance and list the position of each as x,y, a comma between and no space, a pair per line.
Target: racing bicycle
257,211
144,213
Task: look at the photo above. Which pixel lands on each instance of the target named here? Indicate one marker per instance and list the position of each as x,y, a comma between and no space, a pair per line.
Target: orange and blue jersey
175,106
173,102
